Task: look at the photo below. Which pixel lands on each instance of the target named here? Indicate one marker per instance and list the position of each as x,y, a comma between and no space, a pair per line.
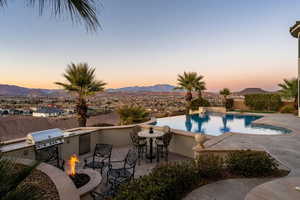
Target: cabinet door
84,144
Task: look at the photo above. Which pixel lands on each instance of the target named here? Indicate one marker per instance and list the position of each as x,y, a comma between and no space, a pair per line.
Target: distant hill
13,90
251,91
154,88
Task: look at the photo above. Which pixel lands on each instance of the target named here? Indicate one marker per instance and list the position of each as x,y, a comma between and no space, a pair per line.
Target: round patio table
151,136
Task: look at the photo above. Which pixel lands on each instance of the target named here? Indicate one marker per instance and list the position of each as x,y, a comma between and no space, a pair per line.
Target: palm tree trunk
224,99
199,94
81,109
188,98
296,102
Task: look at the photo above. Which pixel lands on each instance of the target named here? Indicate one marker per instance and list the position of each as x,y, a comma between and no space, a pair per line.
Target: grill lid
46,138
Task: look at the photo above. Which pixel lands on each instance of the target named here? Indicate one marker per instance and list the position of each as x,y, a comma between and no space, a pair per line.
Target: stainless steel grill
46,138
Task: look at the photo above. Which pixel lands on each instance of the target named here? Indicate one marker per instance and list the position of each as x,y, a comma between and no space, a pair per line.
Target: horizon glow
234,44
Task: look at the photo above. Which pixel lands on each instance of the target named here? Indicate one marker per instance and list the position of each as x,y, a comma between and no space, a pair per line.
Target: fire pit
85,180
79,179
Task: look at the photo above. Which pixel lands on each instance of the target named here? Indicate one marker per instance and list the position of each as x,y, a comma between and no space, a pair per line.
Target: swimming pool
217,123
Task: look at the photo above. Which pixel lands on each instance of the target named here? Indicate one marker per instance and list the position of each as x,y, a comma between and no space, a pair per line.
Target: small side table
151,136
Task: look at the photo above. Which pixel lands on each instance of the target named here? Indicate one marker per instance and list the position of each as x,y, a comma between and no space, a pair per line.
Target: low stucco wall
239,104
117,137
27,152
208,109
182,145
215,109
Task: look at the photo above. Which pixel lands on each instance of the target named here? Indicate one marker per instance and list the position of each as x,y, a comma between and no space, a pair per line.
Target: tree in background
12,186
81,81
289,89
188,81
130,114
225,92
200,86
78,10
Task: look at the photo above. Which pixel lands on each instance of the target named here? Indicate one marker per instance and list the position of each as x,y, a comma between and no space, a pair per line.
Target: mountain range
13,90
251,91
153,88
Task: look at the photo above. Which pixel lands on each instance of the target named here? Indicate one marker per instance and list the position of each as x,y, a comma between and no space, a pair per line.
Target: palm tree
188,82
289,89
200,86
130,114
82,82
12,186
78,10
225,92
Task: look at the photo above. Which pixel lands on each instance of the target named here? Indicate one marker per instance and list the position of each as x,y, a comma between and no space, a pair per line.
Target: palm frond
3,3
70,88
289,88
79,11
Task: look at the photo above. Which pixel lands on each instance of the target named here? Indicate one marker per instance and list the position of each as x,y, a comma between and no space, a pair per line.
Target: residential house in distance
47,112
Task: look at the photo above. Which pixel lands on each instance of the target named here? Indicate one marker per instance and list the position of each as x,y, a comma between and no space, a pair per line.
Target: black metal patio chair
139,143
165,129
125,170
100,159
162,145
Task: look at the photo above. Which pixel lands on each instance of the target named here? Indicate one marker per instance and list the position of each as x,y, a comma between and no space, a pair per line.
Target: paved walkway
230,189
285,148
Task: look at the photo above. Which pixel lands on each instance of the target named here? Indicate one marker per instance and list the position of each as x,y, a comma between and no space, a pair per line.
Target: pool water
216,124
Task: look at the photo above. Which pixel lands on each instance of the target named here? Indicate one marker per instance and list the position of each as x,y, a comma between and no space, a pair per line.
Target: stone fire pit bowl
95,180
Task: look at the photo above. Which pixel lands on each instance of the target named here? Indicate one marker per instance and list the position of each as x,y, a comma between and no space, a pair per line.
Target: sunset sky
234,44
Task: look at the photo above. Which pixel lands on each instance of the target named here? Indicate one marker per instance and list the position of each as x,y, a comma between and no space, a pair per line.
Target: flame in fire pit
72,164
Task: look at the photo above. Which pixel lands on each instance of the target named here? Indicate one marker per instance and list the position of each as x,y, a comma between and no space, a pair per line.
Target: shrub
130,114
251,163
169,181
287,109
209,165
263,102
196,103
229,104
172,180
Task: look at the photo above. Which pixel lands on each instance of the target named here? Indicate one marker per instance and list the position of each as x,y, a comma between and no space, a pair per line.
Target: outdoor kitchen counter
15,146
21,143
